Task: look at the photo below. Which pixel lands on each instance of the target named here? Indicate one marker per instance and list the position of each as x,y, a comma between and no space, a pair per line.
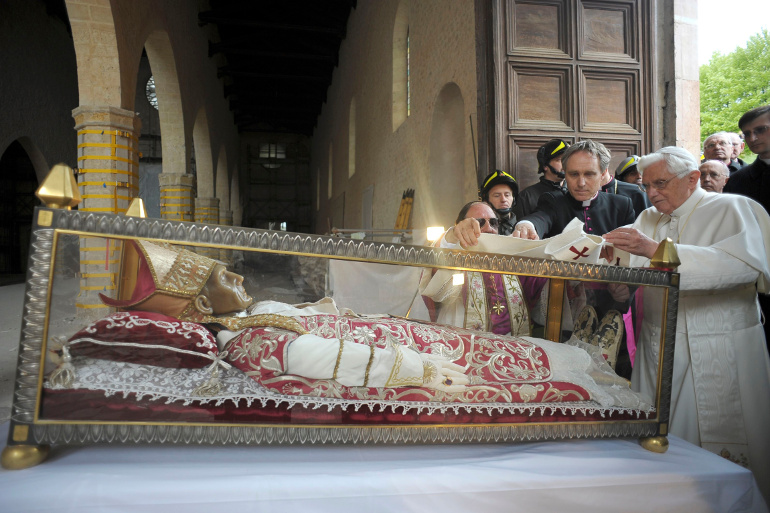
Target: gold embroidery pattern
339,359
517,307
241,323
553,394
394,379
186,276
493,360
394,370
476,303
369,365
258,349
429,372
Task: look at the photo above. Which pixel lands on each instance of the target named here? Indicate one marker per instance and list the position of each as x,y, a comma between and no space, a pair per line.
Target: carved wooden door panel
573,69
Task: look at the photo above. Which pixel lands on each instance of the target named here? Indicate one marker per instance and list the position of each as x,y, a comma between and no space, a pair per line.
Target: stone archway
163,65
447,157
165,157
19,183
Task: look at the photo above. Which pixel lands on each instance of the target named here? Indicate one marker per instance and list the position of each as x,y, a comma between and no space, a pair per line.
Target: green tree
734,83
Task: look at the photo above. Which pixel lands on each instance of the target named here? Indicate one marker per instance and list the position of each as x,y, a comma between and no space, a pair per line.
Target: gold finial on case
18,457
59,189
666,256
136,208
658,444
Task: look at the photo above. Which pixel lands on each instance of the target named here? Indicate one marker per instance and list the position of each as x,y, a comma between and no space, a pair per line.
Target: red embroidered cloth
502,369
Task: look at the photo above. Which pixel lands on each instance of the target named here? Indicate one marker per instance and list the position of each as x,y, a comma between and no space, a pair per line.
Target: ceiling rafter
276,58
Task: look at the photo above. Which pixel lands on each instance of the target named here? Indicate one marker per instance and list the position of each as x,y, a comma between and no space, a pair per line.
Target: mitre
168,279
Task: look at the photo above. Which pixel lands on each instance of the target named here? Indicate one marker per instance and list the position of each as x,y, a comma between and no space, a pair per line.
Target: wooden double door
572,69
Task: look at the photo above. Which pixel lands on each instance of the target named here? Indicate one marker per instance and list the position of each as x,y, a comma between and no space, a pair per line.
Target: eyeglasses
757,131
657,184
493,222
718,143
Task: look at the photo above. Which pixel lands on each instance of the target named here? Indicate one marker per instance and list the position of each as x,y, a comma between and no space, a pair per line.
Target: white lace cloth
178,385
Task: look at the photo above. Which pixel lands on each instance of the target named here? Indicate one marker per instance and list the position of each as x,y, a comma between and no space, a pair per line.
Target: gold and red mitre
168,279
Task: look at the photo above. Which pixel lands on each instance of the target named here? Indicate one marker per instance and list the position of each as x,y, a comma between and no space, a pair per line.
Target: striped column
108,178
226,219
207,212
176,196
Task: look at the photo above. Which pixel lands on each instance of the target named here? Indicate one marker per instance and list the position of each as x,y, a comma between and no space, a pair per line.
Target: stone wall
442,53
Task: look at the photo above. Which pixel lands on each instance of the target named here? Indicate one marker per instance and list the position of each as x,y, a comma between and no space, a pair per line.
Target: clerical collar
587,203
766,161
690,203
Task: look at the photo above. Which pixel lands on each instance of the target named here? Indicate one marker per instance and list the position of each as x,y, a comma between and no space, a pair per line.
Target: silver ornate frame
24,430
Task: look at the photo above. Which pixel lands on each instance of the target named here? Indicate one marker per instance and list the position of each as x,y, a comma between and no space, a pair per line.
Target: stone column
226,219
678,100
207,212
176,196
108,178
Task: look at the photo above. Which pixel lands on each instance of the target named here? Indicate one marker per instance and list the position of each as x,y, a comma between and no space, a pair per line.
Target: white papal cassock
720,395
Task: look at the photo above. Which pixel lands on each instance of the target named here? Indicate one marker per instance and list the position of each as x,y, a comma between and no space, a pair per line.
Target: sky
724,25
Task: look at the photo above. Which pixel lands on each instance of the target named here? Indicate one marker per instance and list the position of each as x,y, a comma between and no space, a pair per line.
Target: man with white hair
738,145
719,146
721,381
713,175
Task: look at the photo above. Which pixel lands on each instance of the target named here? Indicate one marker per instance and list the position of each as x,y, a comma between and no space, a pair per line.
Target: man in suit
738,145
584,164
754,180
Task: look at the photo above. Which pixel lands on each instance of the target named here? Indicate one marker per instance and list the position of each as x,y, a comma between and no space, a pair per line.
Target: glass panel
270,338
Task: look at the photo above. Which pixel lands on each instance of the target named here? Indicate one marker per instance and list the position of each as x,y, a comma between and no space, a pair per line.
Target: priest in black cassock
584,164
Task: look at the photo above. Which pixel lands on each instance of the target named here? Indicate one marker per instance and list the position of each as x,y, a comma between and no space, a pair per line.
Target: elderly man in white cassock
720,397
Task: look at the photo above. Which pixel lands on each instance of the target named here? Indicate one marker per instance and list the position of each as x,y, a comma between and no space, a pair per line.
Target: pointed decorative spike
666,257
59,189
136,208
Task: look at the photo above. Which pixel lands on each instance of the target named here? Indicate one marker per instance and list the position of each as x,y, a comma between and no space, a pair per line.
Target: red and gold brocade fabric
502,369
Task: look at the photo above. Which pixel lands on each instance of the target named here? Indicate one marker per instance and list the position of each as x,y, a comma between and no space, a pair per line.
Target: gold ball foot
17,457
657,444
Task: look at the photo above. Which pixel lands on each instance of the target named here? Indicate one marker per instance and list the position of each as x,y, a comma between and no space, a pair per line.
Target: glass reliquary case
153,331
